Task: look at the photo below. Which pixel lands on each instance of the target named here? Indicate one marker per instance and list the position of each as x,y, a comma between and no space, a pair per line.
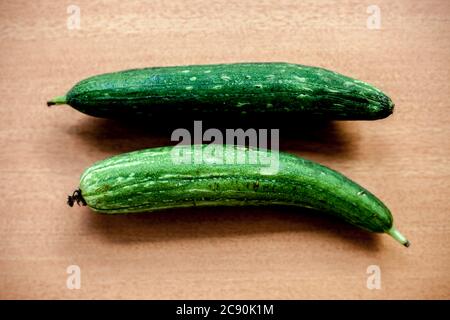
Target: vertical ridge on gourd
239,88
149,180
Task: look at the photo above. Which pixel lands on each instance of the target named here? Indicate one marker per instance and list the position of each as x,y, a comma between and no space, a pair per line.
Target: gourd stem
76,197
57,100
394,233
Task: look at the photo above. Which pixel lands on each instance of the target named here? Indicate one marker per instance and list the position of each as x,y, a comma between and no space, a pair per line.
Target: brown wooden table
223,253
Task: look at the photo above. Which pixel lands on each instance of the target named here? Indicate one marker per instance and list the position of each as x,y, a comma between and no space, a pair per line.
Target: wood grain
223,253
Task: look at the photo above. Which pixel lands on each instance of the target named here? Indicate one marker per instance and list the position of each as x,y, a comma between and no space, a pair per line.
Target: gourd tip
76,197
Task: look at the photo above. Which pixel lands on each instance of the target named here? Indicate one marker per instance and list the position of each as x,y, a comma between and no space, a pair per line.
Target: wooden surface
223,253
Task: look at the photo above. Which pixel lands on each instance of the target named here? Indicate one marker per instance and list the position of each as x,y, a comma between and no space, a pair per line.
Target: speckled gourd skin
150,180
240,88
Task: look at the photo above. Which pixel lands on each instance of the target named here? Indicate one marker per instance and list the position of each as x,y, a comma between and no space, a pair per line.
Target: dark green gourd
240,88
155,179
